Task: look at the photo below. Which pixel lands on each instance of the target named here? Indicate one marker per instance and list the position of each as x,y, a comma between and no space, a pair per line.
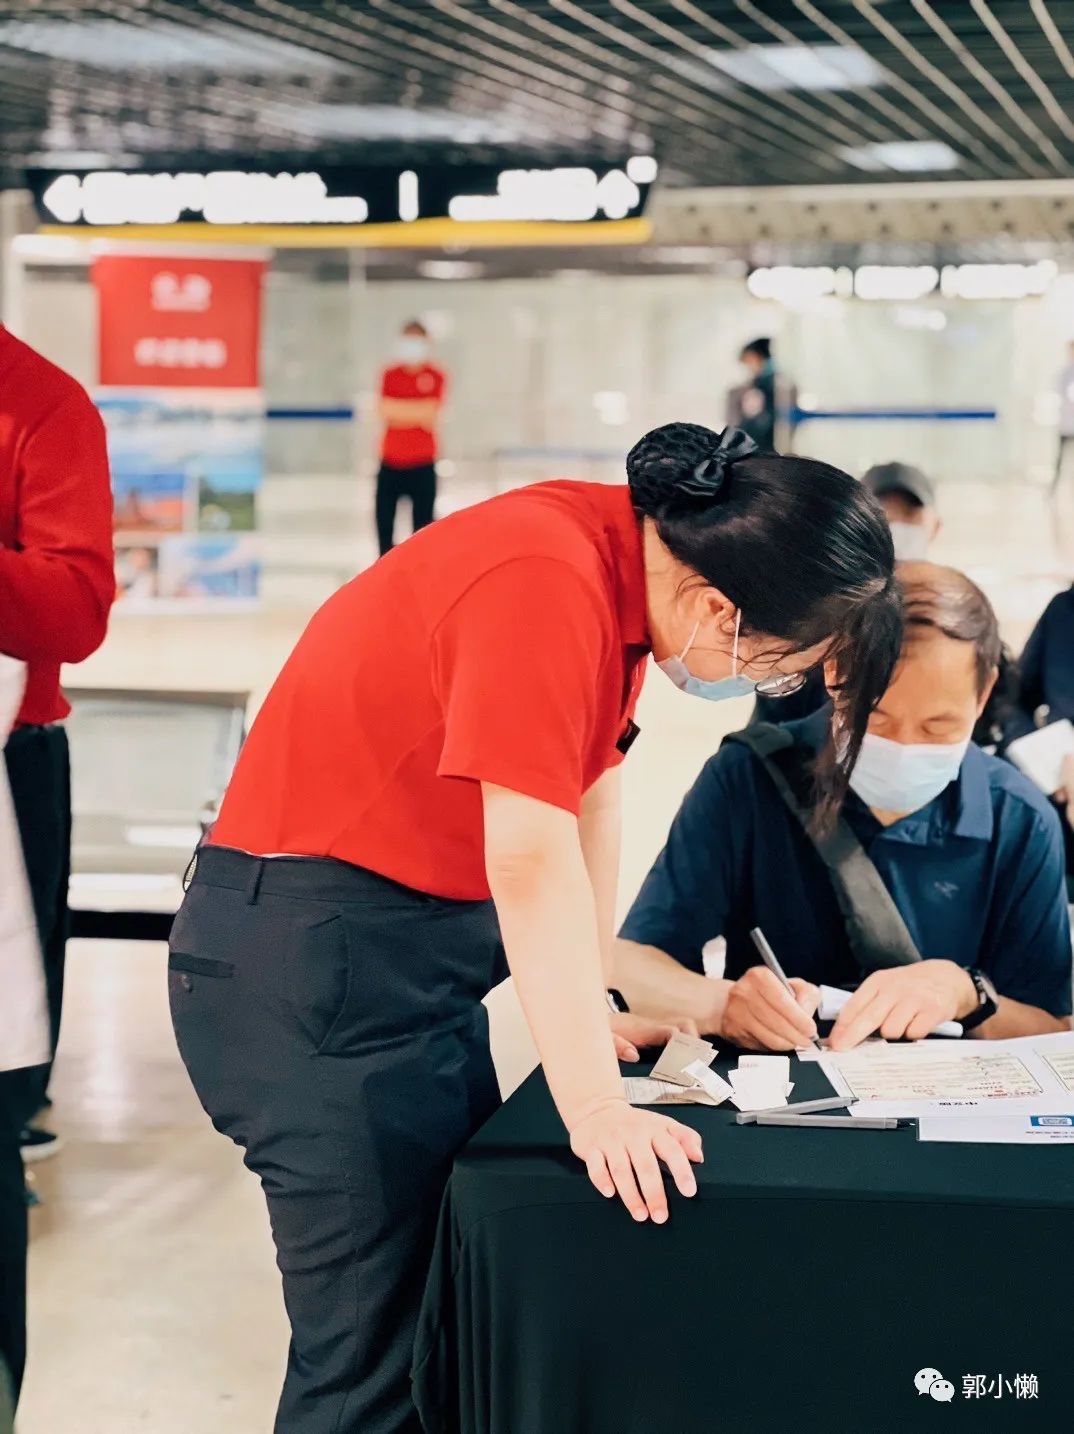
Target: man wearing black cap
908,498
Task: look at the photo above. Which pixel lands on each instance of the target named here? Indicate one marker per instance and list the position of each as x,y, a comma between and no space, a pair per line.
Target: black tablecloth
813,1275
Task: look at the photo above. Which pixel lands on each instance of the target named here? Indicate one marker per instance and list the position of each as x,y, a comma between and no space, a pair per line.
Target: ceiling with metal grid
722,92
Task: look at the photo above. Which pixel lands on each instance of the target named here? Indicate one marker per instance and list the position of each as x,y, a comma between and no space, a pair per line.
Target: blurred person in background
1046,694
56,588
1046,686
411,398
766,399
1066,414
908,499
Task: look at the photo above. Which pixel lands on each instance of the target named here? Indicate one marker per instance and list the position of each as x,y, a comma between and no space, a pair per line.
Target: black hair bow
709,476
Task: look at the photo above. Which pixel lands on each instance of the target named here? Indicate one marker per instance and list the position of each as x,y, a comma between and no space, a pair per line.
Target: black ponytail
800,548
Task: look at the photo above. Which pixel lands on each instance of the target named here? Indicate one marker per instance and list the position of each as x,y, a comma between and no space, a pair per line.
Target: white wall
529,358
58,315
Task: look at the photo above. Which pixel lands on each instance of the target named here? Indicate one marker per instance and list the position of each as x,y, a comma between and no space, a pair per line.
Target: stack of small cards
761,1082
680,1077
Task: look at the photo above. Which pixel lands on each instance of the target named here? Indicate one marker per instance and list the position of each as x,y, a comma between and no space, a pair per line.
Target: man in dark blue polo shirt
968,849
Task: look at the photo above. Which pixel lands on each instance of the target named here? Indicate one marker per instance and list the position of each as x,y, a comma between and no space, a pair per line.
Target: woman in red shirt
432,782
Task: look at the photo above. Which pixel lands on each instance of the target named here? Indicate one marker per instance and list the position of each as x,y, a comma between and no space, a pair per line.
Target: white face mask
911,542
734,686
900,777
411,348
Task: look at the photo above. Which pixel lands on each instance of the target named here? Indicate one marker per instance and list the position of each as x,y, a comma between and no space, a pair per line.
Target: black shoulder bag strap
877,933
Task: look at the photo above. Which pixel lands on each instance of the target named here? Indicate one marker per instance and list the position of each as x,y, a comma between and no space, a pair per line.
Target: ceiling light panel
924,156
799,67
160,45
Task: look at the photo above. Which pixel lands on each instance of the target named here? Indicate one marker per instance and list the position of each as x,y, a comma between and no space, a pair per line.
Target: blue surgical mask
900,777
734,686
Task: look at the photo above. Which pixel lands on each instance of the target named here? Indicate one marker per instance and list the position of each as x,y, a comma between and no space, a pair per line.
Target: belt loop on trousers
253,884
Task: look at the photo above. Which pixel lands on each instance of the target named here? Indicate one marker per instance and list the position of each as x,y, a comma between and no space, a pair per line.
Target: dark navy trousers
331,1022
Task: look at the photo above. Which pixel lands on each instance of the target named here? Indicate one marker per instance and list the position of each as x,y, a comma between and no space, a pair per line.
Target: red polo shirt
411,447
57,579
504,644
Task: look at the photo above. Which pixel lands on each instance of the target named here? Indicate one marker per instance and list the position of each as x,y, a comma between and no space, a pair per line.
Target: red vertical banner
167,322
180,392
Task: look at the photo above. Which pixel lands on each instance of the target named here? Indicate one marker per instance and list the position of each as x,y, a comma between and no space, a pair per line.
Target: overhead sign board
343,195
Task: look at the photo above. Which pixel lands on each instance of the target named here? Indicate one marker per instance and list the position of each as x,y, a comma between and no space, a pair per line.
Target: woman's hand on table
760,1015
905,1003
632,1033
622,1148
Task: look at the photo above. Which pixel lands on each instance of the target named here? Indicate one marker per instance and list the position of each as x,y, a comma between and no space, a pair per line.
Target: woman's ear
986,690
715,609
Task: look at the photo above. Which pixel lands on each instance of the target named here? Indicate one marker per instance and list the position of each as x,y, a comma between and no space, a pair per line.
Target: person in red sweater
56,587
411,397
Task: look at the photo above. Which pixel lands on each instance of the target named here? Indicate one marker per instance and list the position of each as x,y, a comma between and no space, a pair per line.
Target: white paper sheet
814,1053
779,1066
750,1098
643,1090
1040,754
760,1082
709,1081
986,1129
940,1078
24,1027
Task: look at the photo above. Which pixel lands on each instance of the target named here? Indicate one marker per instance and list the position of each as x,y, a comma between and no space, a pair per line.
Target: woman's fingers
622,1150
689,1139
674,1157
625,1050
597,1166
621,1168
643,1158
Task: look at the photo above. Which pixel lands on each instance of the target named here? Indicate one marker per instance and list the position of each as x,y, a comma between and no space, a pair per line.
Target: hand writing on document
905,1002
759,1015
631,1033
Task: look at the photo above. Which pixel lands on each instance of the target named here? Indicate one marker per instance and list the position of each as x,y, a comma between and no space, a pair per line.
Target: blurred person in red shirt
56,588
411,397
